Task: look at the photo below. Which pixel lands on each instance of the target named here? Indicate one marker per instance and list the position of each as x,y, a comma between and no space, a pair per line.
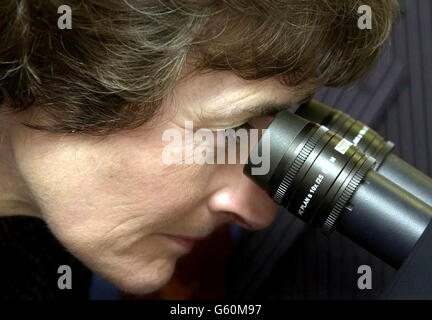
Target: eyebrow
268,108
263,109
255,110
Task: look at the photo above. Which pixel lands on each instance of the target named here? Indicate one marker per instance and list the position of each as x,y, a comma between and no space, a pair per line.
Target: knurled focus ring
297,163
346,195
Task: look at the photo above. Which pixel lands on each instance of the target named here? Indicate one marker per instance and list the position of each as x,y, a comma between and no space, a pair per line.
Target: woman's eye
235,130
245,125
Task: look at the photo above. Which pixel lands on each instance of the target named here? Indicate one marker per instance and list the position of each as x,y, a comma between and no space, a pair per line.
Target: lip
185,242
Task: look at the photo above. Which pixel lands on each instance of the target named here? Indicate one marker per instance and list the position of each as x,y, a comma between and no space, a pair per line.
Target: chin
147,279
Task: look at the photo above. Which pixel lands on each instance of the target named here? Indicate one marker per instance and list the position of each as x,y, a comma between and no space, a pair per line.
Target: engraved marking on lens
324,169
343,146
312,190
360,135
298,162
327,167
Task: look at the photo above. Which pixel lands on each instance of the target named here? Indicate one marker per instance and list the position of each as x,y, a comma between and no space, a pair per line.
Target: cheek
142,175
87,191
167,190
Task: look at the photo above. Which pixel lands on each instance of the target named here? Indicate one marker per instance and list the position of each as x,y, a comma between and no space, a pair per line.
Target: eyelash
245,125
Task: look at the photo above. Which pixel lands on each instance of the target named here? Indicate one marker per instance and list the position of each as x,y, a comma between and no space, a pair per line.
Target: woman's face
117,205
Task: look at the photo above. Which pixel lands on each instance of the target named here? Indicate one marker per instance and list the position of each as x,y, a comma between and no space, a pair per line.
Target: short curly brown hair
112,70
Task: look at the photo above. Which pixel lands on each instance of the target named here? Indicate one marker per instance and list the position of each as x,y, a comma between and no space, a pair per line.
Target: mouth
185,242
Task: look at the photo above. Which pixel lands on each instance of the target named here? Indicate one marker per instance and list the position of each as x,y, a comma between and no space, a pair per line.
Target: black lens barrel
326,181
313,172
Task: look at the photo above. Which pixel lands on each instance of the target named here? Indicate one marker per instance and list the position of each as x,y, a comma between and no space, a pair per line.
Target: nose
241,201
